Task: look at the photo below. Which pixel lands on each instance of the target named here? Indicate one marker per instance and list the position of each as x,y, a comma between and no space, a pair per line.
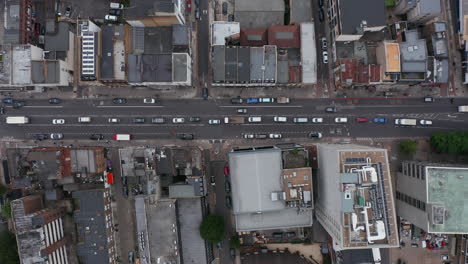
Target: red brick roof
284,36
253,37
350,72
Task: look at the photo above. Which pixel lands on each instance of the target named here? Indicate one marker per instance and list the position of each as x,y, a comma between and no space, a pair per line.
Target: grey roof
180,67
158,40
283,71
259,13
83,161
357,256
142,228
45,71
218,63
413,53
12,22
138,39
256,64
190,216
286,218
243,64
180,35
441,71
59,41
144,8
91,227
260,5
181,191
270,63
134,68
301,11
351,17
231,64
149,68
107,50
429,6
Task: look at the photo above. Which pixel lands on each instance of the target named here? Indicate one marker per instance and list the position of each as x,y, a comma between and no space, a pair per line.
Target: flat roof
59,41
231,64
180,35
45,71
22,64
253,37
189,215
256,64
12,22
259,5
284,36
221,30
243,64
283,71
392,55
107,50
180,63
156,68
158,40
352,17
218,63
270,64
308,53
446,190
413,53
301,11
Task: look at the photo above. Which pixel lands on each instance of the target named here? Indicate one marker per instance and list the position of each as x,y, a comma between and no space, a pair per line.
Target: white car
281,119
111,18
275,136
58,121
149,101
214,121
56,136
248,135
317,120
114,120
425,122
178,120
325,57
341,120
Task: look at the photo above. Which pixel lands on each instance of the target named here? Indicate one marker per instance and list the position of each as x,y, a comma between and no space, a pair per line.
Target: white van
17,120
84,119
255,119
122,137
116,6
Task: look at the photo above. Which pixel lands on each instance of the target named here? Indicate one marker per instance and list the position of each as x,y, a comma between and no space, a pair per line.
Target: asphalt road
203,45
443,114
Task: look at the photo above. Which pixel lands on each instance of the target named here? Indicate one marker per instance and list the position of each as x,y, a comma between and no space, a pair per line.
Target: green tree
234,242
212,228
408,146
6,210
450,142
3,189
8,250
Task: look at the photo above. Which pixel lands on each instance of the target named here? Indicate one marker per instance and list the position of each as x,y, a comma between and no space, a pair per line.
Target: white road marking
131,106
261,106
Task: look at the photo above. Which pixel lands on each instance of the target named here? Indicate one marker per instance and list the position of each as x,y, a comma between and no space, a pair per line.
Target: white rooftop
220,30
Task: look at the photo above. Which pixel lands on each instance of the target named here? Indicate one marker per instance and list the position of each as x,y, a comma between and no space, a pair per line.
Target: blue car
381,120
252,100
8,100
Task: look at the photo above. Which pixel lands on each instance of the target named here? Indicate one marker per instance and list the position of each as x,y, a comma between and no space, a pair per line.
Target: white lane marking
131,106
40,106
264,106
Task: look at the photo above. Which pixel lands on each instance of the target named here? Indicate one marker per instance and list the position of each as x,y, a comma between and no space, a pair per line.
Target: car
41,136
7,100
226,171
178,120
149,101
2,110
116,6
317,120
111,18
158,120
205,90
227,187
115,12
429,99
324,43
236,100
280,119
232,251
131,257
197,13
18,104
289,234
321,15
212,180
185,136
119,101
230,18
300,120
122,137
315,135
444,257
214,121
189,5
248,135
325,56
255,119
275,136
37,26
425,122
125,191
261,136
241,110
341,120
361,119
267,100
225,8
58,121
97,137
252,100
228,202
380,120
67,11
138,120
55,101
194,119
56,136
330,109
114,120
320,3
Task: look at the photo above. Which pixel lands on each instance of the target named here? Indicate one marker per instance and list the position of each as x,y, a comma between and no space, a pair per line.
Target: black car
236,100
227,187
185,136
138,120
261,136
54,101
115,12
194,119
18,104
205,90
228,202
321,15
315,135
225,8
330,109
119,101
97,137
41,136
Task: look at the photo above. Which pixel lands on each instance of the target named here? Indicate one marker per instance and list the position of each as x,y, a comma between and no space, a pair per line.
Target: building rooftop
149,68
253,37
45,71
429,6
308,54
301,11
413,53
158,40
284,36
221,30
270,61
180,35
259,13
144,8
59,40
12,22
392,54
107,52
351,17
193,187
181,64
219,60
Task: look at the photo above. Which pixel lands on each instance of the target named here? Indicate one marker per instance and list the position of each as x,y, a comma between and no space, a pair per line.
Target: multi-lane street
442,112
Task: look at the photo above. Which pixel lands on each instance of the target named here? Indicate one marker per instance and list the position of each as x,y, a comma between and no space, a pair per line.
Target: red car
226,171
189,5
361,119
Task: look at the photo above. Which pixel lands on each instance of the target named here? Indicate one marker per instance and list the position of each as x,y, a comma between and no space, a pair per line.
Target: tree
6,210
3,189
234,242
8,250
450,142
212,228
408,146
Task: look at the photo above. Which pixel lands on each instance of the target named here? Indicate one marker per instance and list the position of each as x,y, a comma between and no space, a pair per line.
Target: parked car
189,5
425,122
214,121
330,109
119,101
261,136
267,100
317,120
361,119
212,180
55,101
252,100
232,253
380,120
324,43
97,137
41,136
149,101
227,187
315,135
300,120
255,119
225,8
280,119
138,120
185,136
68,11
125,191
111,18
429,99
226,171
325,56
341,120
248,135
56,136
116,6
197,13
320,2
114,120
7,100
58,121
228,202
194,119
242,110
321,15
131,257
236,100
275,136
158,120
178,120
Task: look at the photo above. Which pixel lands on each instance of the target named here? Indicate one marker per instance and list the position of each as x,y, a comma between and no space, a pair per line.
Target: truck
283,100
463,108
405,122
234,120
17,120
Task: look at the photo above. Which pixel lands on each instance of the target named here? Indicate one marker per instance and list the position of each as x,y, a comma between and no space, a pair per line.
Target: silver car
214,121
178,120
56,136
